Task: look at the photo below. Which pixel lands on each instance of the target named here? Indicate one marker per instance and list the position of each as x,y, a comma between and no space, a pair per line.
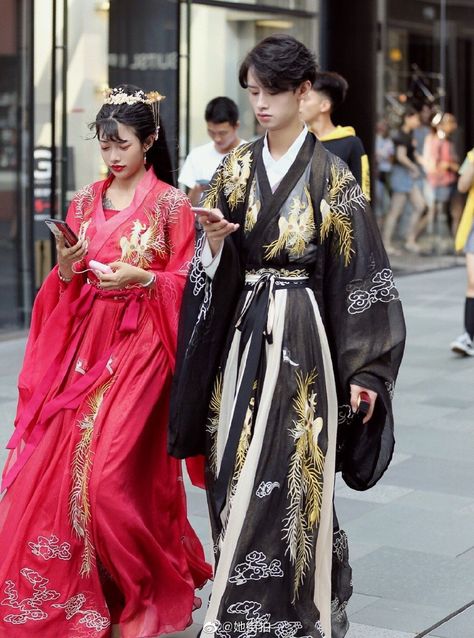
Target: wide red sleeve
51,319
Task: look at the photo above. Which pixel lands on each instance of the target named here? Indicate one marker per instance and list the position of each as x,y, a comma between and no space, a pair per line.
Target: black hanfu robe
302,304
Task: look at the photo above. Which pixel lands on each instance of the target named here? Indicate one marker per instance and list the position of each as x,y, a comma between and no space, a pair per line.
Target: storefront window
429,58
214,62
15,268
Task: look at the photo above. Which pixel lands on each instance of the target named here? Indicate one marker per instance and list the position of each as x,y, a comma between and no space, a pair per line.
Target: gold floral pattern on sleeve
296,230
345,196
212,424
305,479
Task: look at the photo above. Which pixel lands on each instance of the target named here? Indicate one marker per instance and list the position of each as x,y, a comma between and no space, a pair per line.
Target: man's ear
325,105
303,89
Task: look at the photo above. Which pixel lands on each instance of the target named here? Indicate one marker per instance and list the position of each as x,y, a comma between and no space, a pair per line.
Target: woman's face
124,156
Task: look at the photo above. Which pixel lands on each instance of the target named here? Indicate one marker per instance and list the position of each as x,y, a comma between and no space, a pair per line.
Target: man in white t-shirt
222,118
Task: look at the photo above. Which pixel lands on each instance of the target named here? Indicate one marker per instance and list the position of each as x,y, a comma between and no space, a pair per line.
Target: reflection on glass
215,61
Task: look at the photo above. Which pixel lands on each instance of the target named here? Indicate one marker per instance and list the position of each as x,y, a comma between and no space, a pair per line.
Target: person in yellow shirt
327,94
464,344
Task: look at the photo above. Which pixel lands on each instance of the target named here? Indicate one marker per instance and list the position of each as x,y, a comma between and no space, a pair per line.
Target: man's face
412,121
274,111
425,114
313,105
224,136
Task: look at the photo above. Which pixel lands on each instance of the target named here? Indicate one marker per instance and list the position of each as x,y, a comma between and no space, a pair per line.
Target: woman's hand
69,256
216,232
355,394
123,275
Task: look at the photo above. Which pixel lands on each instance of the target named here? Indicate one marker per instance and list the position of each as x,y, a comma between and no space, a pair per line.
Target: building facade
57,56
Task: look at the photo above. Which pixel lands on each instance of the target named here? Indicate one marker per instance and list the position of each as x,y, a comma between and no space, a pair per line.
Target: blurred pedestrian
384,156
327,94
424,128
93,524
222,119
464,344
405,173
292,274
441,165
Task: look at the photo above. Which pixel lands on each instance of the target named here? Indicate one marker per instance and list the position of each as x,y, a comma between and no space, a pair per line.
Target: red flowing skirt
94,529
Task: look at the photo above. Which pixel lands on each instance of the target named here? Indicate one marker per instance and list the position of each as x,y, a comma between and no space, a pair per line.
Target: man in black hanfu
290,314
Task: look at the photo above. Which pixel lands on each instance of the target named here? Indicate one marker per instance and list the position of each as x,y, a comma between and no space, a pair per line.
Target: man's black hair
280,63
220,110
409,110
333,86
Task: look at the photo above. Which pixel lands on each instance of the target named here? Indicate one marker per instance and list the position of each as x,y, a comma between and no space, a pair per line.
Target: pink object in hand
99,267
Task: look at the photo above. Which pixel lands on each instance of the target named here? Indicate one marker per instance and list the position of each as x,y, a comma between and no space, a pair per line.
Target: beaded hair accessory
152,99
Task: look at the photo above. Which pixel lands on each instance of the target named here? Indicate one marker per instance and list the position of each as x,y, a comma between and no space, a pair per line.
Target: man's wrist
215,245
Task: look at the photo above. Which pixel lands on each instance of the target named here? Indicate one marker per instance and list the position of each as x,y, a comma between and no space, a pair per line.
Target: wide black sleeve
206,314
365,323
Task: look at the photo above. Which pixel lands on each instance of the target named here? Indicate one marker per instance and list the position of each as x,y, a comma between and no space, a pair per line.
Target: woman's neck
128,184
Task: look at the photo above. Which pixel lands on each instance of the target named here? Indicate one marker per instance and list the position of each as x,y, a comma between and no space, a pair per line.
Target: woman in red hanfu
94,535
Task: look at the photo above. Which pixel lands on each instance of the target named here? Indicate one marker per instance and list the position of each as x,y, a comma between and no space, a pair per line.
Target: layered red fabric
93,524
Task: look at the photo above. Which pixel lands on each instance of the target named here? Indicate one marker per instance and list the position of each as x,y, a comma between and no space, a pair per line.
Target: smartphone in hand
364,404
211,215
59,227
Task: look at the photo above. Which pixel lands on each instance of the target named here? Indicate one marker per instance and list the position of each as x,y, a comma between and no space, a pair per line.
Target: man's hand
355,394
216,232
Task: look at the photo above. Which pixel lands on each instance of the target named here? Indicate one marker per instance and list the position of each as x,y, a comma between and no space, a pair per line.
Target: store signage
143,50
42,182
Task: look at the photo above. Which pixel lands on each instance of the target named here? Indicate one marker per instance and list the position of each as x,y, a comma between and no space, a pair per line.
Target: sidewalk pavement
412,536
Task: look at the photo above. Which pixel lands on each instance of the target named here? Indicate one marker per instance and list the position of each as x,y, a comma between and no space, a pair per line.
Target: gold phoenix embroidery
253,208
213,421
297,230
146,241
345,196
231,178
79,504
305,479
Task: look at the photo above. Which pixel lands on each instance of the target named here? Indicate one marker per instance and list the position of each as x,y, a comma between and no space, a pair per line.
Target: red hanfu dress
93,524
